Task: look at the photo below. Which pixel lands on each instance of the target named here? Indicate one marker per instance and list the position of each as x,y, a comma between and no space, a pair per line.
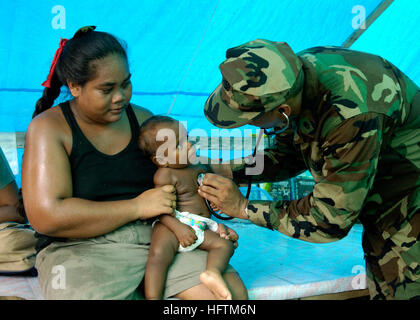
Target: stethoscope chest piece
200,178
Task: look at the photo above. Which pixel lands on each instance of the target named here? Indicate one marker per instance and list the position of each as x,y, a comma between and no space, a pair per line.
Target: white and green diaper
199,224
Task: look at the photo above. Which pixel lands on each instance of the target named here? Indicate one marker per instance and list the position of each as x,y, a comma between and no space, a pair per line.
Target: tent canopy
175,47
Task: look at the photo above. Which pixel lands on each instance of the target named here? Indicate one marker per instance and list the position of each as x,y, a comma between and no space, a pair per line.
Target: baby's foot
215,283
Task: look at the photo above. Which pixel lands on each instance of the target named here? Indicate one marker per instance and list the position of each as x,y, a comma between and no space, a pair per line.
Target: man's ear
284,108
75,89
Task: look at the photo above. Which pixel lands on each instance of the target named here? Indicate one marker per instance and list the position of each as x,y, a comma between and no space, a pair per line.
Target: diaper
199,224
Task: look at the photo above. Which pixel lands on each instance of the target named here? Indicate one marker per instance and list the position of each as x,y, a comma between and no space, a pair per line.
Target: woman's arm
47,190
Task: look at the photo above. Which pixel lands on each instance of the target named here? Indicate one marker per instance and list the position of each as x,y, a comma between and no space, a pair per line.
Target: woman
87,188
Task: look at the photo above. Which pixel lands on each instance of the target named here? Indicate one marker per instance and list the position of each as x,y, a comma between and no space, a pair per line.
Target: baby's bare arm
170,222
184,233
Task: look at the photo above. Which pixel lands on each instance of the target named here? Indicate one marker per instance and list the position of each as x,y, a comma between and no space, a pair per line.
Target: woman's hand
156,201
224,194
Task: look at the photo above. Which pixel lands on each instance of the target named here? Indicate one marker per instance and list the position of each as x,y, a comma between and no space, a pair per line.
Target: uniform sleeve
280,162
350,154
6,174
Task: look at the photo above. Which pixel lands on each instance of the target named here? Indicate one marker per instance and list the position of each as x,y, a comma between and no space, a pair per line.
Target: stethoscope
263,131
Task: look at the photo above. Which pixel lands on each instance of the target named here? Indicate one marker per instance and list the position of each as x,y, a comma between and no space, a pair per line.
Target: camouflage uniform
358,134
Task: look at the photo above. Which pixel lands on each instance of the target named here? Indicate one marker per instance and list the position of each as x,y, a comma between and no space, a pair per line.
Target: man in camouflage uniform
356,127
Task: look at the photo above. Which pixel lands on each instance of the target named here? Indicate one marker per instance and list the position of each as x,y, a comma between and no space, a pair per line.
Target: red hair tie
47,83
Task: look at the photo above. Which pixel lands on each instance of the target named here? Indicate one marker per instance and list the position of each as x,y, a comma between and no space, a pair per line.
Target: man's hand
224,194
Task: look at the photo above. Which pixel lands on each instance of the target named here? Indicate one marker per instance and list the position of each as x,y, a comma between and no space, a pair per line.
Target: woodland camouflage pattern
359,135
236,100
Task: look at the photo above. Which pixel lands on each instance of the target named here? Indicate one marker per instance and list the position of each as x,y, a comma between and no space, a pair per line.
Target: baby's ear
160,162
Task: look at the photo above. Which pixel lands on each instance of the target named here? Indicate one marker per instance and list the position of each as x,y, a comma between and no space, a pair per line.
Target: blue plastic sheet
175,47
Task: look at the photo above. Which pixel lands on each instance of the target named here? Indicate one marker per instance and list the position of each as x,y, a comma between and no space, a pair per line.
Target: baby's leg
163,247
219,252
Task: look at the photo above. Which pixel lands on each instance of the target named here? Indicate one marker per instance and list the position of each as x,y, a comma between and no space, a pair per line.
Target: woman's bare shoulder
49,122
141,113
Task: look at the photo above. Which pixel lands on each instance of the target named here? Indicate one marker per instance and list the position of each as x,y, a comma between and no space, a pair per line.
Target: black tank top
100,177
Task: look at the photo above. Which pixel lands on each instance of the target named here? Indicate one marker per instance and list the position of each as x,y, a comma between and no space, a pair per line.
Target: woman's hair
75,63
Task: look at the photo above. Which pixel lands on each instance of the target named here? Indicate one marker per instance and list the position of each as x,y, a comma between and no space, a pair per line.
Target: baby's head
164,140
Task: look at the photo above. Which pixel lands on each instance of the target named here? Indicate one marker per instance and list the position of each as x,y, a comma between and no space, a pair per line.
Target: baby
191,227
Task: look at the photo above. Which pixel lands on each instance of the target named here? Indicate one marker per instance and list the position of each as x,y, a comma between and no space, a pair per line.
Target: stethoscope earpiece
269,133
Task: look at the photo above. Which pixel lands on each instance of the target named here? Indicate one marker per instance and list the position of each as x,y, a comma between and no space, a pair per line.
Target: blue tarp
175,47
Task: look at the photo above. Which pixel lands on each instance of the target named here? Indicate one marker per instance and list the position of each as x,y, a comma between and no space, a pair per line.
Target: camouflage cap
257,77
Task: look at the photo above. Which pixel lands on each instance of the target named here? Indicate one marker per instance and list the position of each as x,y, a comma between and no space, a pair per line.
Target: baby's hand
227,233
185,235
